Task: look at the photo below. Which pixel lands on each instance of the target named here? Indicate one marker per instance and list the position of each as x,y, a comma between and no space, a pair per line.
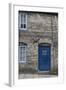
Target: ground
27,76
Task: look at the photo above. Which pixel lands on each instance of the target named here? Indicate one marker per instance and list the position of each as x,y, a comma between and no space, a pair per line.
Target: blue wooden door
44,58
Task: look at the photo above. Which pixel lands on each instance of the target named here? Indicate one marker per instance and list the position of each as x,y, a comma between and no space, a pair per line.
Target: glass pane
24,18
22,53
22,25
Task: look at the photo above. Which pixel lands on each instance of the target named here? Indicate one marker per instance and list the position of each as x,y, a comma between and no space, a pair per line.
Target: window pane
24,18
24,25
22,53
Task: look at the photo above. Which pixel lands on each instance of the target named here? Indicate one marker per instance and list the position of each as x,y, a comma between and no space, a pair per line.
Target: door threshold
43,71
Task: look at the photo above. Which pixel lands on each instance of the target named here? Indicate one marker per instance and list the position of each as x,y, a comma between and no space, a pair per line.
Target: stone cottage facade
38,34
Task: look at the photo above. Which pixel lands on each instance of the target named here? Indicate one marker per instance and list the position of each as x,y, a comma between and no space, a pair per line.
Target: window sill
22,62
22,29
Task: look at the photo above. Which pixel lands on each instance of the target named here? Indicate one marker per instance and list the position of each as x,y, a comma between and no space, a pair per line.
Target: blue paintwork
44,58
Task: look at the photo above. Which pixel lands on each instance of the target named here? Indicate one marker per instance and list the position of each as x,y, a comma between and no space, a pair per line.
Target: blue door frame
44,58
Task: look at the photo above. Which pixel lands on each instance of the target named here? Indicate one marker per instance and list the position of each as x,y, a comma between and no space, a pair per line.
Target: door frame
44,44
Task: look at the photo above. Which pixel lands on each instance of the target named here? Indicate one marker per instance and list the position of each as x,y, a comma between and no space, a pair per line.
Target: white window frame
19,22
22,46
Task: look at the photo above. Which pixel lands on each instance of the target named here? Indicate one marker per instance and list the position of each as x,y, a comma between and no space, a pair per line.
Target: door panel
44,58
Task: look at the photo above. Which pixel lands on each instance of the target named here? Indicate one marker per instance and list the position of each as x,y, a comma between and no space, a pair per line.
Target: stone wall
45,27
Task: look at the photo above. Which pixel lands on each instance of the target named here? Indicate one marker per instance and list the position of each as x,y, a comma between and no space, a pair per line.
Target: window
22,52
22,21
